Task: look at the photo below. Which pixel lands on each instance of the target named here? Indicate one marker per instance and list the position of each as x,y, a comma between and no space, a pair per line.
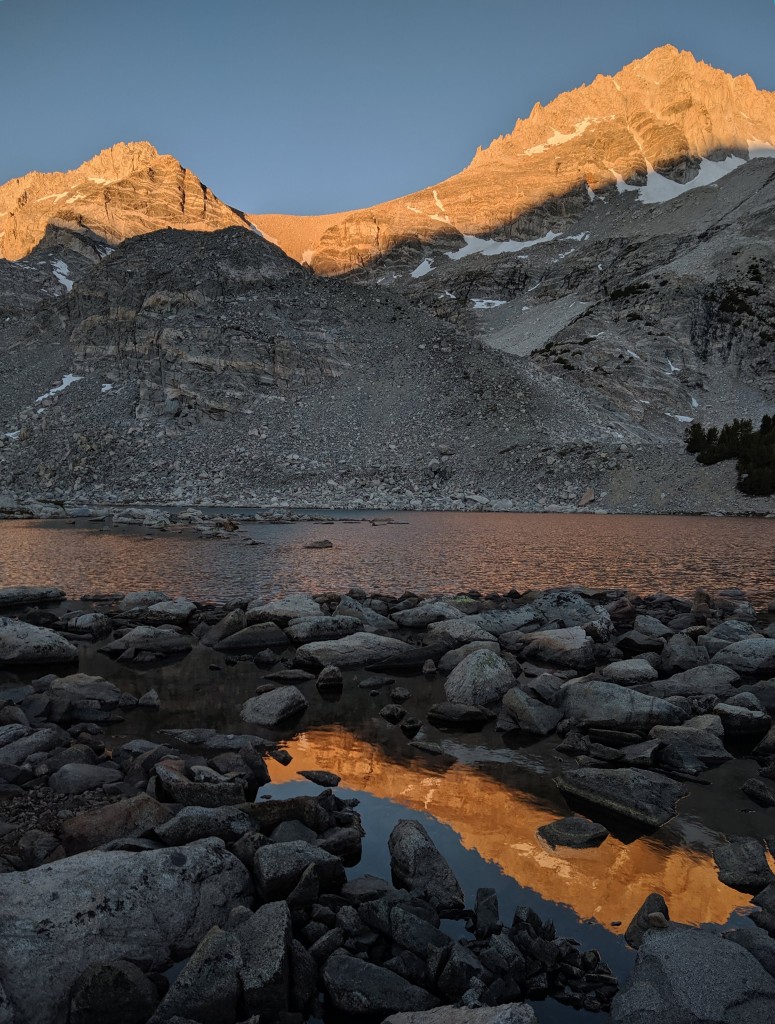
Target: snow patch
681,419
582,237
672,367
424,268
67,380
695,403
558,138
489,247
62,274
438,202
488,303
633,354
56,196
13,435
307,256
105,388
659,189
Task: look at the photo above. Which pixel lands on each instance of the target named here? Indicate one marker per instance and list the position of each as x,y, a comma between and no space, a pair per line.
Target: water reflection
606,884
435,551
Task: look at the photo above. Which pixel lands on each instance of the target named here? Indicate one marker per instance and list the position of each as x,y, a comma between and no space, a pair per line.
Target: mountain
666,113
538,336
124,191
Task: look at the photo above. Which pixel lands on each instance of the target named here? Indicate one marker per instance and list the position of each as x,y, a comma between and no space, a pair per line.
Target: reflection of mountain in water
608,883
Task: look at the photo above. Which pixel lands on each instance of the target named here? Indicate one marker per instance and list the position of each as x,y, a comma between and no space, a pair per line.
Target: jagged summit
663,113
126,190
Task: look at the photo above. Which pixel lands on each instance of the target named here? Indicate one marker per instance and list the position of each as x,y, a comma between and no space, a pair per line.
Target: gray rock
274,706
689,976
24,644
279,866
258,637
233,622
15,596
503,620
350,607
328,780
140,599
209,790
461,632
757,943
759,792
740,722
127,818
681,653
717,680
752,657
208,988
481,678
700,743
610,706
150,699
629,673
566,648
417,865
453,658
352,651
176,613
506,1013
357,987
148,908
425,613
192,823
449,712
79,778
634,793
265,942
765,691
652,909
283,609
323,627
575,831
117,992
651,626
742,864
530,715
19,750
161,640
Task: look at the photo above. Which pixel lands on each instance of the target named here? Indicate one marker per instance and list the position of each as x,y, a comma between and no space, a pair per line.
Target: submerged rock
575,831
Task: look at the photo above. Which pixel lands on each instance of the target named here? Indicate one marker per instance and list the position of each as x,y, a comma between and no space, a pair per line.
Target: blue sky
309,106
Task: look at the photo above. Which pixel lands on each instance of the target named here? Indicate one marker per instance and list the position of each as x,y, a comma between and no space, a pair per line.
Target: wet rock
753,657
357,987
274,707
486,913
24,644
417,865
150,699
16,596
17,752
759,792
704,679
148,908
566,648
325,627
530,715
279,866
176,612
118,992
161,640
507,1013
140,599
209,790
352,651
329,678
740,721
233,622
742,864
392,713
575,831
207,990
258,637
702,744
481,678
79,778
328,780
126,818
633,793
610,706
282,610
685,975
653,908
451,713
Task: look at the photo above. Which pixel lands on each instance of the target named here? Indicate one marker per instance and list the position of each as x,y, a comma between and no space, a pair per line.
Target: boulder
352,651
757,943
208,988
610,706
417,865
80,778
161,640
681,653
498,621
530,716
715,680
481,678
208,790
150,908
127,818
279,866
577,832
741,722
630,672
274,706
506,1013
703,744
451,713
361,988
176,613
453,658
753,657
16,596
232,622
265,972
566,648
687,975
258,637
283,609
140,599
18,751
193,823
642,796
652,912
323,627
463,631
351,608
24,644
742,864
117,992
425,613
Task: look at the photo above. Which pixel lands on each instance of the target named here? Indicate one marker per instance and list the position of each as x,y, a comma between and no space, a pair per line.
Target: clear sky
310,106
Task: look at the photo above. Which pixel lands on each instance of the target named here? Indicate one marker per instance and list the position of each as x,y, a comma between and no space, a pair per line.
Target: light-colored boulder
481,678
24,644
274,706
283,609
351,651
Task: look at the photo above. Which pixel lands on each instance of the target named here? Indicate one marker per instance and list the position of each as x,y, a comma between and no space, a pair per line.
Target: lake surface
434,552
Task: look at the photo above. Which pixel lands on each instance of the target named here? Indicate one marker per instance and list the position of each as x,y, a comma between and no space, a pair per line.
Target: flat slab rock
507,1013
357,987
100,907
642,796
274,706
350,651
24,644
575,831
11,596
688,975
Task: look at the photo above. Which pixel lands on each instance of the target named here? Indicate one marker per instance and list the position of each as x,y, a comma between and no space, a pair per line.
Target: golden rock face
124,191
606,884
664,112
